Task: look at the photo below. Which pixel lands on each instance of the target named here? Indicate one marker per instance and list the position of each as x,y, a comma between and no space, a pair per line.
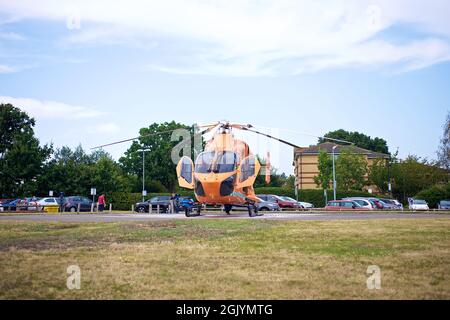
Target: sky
93,72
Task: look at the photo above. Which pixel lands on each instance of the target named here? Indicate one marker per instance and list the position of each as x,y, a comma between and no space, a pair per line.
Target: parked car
418,204
305,205
44,203
300,204
396,204
4,202
365,203
377,203
162,201
9,205
27,204
262,206
387,205
71,204
284,204
344,205
444,205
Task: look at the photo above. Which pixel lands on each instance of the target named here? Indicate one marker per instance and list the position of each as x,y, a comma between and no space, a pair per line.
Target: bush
435,194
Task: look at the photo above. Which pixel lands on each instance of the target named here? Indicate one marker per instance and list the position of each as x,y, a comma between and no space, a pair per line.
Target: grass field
226,259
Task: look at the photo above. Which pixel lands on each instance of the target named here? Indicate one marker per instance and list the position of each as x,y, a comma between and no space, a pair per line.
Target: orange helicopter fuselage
211,182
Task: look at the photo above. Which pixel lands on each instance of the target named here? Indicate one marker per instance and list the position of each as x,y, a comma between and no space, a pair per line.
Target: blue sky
92,72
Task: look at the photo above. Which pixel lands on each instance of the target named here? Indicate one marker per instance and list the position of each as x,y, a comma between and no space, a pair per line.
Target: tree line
28,168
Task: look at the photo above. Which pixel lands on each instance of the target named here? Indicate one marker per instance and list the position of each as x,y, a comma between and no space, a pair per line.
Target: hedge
124,201
434,194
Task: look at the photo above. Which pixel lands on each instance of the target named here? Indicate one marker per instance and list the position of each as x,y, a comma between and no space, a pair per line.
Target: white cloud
235,37
11,36
6,69
51,109
109,127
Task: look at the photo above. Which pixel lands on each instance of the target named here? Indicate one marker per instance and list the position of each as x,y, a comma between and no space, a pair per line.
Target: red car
284,204
344,205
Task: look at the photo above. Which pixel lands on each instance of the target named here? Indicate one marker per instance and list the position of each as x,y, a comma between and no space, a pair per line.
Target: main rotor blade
132,139
269,136
212,125
311,135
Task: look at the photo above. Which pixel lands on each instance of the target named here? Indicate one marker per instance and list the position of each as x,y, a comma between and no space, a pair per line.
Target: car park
444,205
284,204
344,205
72,203
162,201
418,205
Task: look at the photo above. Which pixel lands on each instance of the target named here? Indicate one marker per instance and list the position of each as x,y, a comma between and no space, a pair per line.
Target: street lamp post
334,175
143,172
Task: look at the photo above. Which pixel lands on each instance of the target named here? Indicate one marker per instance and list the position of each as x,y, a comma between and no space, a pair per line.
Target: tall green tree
159,169
325,166
359,139
415,174
21,156
74,172
444,147
351,171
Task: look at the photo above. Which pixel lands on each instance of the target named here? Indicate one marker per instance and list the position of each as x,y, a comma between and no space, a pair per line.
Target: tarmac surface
306,216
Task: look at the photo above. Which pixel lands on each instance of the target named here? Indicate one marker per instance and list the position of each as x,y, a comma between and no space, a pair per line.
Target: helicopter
225,172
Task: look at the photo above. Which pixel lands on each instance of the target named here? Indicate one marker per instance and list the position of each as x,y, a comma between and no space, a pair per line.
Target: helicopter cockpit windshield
216,162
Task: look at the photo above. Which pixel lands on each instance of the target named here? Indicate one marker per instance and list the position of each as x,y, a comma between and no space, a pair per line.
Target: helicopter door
185,173
248,171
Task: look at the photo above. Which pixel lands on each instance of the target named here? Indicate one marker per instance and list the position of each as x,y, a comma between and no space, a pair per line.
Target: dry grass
233,259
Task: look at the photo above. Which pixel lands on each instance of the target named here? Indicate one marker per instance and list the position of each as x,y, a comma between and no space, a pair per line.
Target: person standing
61,201
101,202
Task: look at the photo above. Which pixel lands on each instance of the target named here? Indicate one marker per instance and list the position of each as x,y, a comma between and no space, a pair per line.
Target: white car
44,203
417,205
362,202
305,205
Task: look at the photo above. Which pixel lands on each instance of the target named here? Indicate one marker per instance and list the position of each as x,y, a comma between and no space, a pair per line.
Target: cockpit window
217,162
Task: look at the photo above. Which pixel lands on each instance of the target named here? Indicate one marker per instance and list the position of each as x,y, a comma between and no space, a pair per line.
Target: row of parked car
362,204
70,204
270,202
267,202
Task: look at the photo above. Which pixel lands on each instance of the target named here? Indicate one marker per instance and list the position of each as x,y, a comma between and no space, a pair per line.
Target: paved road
270,216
